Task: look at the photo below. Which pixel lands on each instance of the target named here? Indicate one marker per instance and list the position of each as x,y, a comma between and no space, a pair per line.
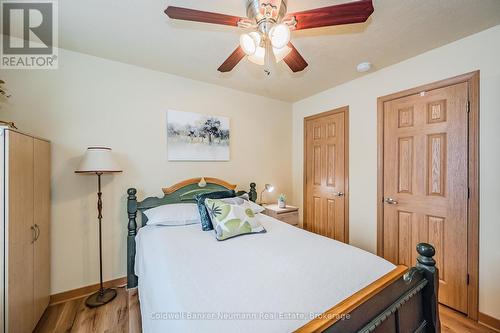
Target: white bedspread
271,282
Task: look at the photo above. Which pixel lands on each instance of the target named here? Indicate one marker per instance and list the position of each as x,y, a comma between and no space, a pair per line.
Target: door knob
339,194
390,201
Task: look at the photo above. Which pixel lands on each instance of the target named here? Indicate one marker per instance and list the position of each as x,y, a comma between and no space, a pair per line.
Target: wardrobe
25,229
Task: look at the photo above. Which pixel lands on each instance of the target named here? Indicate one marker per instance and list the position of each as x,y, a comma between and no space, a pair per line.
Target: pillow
206,224
232,220
175,214
245,199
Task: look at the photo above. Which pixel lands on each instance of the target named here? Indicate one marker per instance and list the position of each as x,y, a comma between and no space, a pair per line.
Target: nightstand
290,214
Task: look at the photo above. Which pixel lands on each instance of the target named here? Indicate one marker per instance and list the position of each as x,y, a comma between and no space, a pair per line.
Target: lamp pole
99,216
103,296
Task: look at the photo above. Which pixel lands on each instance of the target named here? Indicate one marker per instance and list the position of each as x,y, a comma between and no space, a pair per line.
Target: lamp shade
269,188
98,160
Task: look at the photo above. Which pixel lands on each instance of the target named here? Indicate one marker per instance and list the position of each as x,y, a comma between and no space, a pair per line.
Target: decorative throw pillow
232,220
206,224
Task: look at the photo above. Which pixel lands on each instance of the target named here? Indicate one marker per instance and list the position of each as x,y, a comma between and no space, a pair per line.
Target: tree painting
197,137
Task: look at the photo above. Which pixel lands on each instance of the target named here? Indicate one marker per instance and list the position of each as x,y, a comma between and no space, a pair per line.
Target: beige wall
480,51
92,101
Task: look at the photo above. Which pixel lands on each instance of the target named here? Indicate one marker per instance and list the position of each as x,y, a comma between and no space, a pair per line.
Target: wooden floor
123,315
454,322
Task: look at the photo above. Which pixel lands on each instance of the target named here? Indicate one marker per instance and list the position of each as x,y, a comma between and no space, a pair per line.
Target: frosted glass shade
280,35
98,160
250,42
259,57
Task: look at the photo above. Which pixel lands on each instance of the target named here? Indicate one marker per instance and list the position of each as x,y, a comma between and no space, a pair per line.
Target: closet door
41,218
20,234
326,174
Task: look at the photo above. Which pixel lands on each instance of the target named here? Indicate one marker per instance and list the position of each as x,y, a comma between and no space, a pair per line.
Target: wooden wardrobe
25,203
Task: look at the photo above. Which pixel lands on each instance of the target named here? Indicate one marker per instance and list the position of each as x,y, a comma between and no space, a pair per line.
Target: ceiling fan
271,26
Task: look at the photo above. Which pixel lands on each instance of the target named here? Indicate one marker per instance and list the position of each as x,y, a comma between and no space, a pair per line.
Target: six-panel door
325,171
425,184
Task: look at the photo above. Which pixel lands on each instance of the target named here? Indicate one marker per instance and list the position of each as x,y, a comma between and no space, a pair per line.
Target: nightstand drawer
289,214
290,218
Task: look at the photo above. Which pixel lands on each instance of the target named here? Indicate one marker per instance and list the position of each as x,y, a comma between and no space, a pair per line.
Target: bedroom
119,81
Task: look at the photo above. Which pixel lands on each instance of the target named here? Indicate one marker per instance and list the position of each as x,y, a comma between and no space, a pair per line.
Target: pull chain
269,55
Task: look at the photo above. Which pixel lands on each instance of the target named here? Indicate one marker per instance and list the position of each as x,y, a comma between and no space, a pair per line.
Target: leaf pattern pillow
232,220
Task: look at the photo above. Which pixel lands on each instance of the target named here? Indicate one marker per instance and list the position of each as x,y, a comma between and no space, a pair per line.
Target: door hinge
468,279
468,107
468,192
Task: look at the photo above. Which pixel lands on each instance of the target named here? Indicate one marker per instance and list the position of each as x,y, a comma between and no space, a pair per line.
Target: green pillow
206,224
232,220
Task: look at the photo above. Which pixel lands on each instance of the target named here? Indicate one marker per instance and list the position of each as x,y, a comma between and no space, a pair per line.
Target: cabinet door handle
37,232
34,234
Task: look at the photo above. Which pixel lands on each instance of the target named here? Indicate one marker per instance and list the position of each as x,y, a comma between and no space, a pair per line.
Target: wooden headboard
183,192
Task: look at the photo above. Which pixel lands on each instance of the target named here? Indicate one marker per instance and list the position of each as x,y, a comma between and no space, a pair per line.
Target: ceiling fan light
280,54
280,36
259,58
256,37
248,44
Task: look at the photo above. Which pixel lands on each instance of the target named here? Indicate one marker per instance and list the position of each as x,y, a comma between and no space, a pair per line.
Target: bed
284,280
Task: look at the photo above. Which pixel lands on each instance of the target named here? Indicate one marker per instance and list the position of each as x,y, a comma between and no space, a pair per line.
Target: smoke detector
364,67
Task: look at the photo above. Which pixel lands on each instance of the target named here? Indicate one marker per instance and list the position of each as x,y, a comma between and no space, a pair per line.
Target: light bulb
247,43
280,35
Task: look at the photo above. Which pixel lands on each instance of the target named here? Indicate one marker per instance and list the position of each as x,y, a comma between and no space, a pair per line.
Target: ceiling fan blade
294,60
347,13
187,14
232,61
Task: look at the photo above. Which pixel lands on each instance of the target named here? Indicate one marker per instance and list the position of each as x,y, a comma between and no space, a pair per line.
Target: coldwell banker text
29,35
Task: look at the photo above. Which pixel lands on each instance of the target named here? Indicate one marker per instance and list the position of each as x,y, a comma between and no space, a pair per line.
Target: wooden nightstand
290,214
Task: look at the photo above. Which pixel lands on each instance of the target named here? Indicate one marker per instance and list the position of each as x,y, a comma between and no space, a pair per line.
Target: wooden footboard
404,300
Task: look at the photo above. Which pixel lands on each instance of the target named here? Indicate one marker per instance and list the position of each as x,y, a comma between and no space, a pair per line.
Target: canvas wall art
197,137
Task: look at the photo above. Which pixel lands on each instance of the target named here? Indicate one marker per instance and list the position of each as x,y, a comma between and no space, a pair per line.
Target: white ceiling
138,32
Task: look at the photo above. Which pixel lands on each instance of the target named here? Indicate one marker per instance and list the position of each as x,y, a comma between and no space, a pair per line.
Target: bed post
252,194
427,266
132,232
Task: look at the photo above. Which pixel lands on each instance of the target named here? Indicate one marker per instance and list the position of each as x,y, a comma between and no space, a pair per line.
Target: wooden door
325,162
426,184
42,221
20,233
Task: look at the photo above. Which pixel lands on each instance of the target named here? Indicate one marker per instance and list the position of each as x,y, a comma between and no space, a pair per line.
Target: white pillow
255,208
244,200
173,215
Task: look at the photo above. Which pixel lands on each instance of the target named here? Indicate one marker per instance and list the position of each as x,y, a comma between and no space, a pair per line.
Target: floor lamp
99,161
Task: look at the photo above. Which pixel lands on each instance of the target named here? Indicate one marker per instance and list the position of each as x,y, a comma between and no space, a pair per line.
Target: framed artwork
197,137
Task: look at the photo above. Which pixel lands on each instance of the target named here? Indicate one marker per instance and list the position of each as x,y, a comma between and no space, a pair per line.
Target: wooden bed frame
404,300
